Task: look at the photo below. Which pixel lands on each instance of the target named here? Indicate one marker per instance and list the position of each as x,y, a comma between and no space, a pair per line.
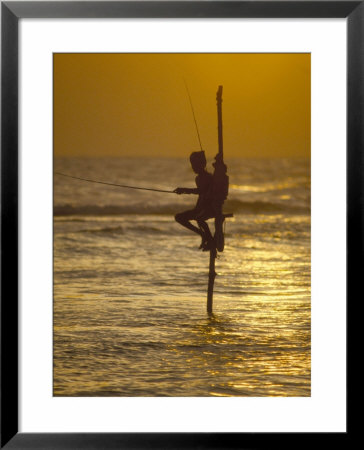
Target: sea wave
120,230
231,206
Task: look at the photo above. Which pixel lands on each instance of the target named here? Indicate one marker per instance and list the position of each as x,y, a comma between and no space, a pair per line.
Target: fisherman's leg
184,219
207,239
205,228
203,216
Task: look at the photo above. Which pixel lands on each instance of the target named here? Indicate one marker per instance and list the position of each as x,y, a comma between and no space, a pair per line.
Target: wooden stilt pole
220,192
212,275
218,239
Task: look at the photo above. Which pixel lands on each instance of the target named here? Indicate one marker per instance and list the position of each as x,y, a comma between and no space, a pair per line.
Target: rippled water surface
130,284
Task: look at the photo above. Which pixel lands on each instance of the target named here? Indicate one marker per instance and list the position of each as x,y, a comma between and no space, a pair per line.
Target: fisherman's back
204,182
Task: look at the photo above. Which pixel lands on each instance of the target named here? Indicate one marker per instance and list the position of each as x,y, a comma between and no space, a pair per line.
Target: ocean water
130,284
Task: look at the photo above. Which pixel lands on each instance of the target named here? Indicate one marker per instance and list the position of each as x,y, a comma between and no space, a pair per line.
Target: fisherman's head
198,161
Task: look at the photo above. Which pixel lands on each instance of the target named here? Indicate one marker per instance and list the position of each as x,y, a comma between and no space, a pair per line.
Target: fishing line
193,113
112,184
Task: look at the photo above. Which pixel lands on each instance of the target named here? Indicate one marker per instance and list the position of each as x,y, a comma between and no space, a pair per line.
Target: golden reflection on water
251,361
267,187
130,288
129,342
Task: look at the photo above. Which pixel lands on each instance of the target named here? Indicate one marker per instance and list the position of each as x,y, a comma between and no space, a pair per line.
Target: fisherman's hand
180,191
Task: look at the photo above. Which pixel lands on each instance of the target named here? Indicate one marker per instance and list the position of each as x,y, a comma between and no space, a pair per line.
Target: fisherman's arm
181,190
197,190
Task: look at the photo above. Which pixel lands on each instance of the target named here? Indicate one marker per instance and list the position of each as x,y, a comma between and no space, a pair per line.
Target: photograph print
182,225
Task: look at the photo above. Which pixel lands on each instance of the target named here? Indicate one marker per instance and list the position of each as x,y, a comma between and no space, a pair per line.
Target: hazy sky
137,104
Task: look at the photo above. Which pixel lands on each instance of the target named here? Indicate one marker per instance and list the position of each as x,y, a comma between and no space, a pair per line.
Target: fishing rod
193,113
113,184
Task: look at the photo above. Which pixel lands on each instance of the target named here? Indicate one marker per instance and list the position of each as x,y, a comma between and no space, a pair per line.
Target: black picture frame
11,12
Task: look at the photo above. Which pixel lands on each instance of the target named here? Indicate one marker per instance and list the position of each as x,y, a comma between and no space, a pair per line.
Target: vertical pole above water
219,120
213,251
212,276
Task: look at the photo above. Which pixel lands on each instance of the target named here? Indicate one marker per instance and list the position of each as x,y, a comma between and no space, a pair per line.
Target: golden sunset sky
137,104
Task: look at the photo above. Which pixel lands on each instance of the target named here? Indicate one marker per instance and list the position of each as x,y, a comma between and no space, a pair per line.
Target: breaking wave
233,206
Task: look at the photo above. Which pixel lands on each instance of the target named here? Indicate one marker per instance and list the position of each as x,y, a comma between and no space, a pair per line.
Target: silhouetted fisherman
204,208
